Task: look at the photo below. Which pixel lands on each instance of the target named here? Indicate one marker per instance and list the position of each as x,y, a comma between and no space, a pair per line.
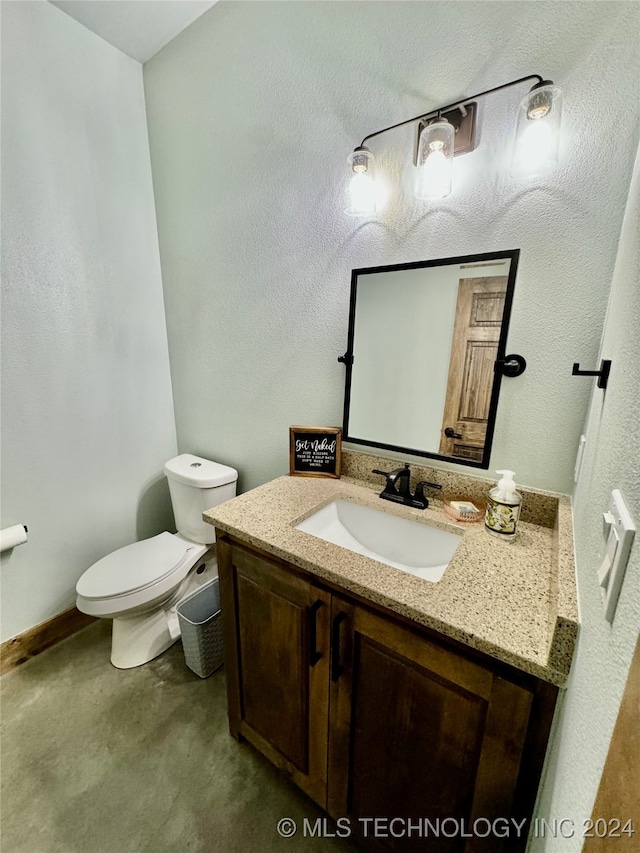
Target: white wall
252,113
612,461
87,414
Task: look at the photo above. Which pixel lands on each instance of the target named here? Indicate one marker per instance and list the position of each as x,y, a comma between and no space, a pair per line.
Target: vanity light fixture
450,130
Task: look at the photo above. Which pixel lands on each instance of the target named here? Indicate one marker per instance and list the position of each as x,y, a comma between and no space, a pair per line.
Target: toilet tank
195,485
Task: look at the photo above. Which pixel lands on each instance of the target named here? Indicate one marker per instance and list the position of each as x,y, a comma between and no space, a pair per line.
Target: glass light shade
361,187
537,141
435,158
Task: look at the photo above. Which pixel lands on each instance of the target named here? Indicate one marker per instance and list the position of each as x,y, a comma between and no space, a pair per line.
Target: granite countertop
515,601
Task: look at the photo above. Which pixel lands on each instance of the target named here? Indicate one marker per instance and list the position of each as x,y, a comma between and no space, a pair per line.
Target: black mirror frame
504,365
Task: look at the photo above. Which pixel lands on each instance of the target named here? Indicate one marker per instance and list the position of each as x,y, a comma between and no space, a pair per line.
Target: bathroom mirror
426,355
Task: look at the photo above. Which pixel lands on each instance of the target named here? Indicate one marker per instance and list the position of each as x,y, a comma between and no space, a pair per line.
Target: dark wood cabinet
374,717
277,660
417,731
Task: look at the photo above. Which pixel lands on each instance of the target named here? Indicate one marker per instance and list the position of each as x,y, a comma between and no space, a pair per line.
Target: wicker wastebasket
200,620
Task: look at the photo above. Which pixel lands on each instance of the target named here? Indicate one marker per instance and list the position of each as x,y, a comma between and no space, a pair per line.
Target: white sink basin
407,545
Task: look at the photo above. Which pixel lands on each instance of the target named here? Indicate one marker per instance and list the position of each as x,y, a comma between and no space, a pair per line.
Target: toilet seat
134,567
101,589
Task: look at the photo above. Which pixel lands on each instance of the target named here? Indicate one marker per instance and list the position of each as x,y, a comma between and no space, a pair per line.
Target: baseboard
25,646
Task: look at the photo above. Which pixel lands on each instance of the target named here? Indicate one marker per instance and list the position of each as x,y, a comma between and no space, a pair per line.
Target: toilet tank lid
201,473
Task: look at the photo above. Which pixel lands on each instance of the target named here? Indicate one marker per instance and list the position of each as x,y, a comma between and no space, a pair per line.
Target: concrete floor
100,760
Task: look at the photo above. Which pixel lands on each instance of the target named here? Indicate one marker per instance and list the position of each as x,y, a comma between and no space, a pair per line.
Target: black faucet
420,498
397,488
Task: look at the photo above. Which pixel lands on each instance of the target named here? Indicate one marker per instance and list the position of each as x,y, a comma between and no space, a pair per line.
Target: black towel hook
602,374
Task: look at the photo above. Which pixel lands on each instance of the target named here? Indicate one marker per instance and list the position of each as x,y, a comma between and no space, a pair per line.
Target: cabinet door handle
314,654
336,667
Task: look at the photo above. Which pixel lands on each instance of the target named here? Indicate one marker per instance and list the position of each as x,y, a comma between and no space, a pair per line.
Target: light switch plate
618,532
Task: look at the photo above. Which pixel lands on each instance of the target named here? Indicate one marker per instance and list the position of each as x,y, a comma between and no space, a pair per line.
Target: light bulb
435,176
537,141
435,156
361,195
361,189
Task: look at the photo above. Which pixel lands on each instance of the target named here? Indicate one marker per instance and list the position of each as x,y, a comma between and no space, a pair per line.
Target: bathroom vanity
383,694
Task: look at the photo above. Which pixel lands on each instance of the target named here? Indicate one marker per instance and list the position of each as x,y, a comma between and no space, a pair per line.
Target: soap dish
461,508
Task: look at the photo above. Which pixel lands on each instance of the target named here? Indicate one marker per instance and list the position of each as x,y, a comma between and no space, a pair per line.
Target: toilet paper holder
12,536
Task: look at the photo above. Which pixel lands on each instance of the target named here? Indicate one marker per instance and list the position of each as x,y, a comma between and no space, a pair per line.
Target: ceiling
139,28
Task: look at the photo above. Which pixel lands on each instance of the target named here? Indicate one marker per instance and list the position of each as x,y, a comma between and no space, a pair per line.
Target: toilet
140,586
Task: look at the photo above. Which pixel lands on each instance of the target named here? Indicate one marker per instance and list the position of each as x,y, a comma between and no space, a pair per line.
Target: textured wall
87,415
611,461
252,113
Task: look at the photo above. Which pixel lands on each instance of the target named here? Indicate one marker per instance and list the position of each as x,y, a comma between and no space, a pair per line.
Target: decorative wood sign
314,451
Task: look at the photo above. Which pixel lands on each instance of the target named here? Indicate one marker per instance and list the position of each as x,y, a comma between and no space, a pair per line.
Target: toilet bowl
140,586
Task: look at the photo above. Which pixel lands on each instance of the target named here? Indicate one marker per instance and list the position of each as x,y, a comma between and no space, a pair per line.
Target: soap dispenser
503,507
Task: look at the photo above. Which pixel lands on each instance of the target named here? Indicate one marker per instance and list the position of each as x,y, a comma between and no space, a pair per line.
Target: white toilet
139,586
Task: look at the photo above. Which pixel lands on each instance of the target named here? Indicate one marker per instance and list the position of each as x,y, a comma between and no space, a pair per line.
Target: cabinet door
276,653
419,732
